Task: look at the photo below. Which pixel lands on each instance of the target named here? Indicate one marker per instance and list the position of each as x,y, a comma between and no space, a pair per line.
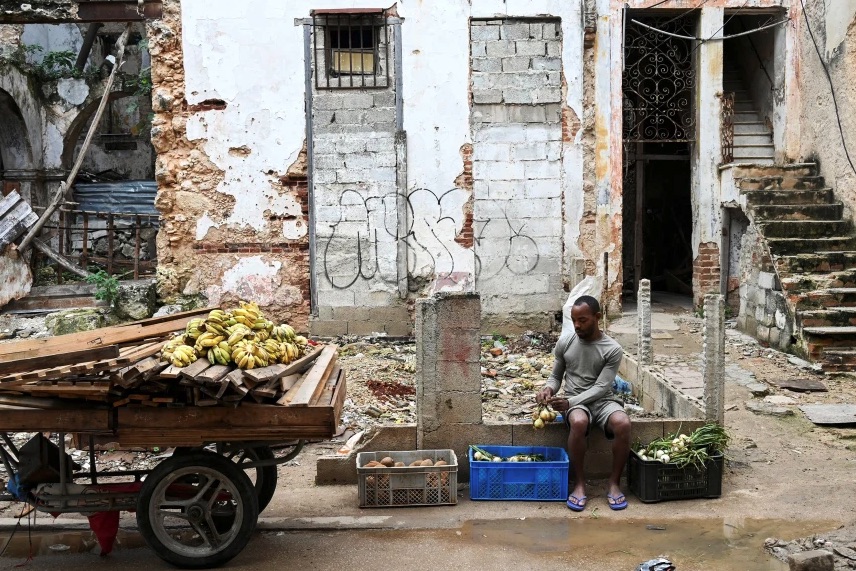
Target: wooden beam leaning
57,360
316,377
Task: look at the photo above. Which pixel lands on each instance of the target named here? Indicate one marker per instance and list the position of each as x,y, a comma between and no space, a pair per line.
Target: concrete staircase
753,140
814,251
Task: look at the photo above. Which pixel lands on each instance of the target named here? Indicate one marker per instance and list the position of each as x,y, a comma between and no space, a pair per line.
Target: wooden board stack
16,216
119,366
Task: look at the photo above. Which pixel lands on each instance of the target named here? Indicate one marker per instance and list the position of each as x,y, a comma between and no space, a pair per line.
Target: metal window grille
350,50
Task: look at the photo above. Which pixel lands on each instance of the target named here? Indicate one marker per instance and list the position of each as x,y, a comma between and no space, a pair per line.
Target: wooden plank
130,332
286,399
316,377
171,372
236,378
214,374
267,390
326,395
12,218
264,374
8,202
285,383
195,368
77,419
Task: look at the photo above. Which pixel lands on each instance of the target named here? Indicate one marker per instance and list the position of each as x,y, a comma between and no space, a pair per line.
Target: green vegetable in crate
542,415
682,450
485,456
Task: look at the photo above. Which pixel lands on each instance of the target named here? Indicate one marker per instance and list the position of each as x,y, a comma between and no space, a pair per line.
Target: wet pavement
585,544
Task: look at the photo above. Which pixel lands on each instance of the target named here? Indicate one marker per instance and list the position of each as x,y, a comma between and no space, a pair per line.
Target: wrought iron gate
659,80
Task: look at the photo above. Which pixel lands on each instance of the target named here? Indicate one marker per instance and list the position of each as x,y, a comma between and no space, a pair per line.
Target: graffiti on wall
362,242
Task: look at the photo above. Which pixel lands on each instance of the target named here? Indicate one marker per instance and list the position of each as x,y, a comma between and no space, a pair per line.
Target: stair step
805,228
829,331
756,128
744,152
824,298
784,182
787,246
753,140
816,262
746,116
776,196
838,360
796,283
782,212
830,317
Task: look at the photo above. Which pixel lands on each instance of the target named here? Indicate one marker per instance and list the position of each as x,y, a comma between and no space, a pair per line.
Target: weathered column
448,375
644,350
713,366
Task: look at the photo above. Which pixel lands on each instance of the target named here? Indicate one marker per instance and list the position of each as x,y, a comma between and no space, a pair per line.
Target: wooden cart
198,507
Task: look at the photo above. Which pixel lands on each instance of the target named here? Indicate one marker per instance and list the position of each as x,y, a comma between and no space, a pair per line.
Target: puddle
703,545
59,543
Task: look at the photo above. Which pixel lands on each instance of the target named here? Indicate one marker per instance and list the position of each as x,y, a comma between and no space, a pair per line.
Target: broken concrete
768,409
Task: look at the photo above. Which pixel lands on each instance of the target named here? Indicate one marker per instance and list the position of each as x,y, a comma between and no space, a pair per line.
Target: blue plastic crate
524,481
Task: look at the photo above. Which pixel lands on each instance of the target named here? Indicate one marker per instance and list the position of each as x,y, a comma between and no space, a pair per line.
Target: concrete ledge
343,470
657,394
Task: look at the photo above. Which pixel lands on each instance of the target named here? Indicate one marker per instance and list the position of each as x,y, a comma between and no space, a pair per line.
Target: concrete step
805,228
753,139
825,298
783,182
766,212
746,116
797,283
838,360
753,151
751,127
830,317
816,262
789,246
759,197
744,106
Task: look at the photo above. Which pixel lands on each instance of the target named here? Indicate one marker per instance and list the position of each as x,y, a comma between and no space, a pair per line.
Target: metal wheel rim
185,525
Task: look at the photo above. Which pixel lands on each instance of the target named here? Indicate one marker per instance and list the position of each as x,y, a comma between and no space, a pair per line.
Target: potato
400,464
388,462
427,462
374,464
441,463
416,463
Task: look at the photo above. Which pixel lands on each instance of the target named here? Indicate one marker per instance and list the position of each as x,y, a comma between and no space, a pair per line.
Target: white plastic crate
409,485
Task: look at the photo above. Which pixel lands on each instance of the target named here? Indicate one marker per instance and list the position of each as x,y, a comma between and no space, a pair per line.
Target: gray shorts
598,412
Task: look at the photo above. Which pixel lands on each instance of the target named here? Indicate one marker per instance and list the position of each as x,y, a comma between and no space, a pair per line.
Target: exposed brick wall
465,181
706,272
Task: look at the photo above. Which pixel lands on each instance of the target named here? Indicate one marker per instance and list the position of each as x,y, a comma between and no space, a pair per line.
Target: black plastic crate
653,481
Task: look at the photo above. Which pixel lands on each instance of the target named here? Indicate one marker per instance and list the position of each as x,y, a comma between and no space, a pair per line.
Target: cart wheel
263,477
197,510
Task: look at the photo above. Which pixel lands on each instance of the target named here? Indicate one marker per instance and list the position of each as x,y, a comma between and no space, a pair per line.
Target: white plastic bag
589,286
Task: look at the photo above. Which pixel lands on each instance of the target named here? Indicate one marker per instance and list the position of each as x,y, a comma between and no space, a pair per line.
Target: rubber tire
266,476
231,472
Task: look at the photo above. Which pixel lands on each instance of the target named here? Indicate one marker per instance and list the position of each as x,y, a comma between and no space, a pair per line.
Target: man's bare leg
577,448
619,425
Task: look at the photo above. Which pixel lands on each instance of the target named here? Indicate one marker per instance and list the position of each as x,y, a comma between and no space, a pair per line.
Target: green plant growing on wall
53,65
106,287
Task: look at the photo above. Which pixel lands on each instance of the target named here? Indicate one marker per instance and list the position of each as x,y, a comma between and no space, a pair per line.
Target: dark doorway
658,87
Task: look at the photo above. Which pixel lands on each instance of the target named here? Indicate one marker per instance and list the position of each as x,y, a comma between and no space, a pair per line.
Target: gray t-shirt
584,370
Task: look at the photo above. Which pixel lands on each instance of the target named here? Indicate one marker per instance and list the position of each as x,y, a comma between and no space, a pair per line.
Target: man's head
586,315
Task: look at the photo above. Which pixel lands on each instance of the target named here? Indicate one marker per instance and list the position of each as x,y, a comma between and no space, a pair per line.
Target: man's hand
543,395
559,404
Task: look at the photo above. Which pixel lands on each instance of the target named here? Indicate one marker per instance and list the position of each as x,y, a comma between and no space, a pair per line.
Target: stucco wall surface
834,28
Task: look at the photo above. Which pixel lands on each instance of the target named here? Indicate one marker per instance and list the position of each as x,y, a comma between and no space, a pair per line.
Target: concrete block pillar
645,350
713,355
448,374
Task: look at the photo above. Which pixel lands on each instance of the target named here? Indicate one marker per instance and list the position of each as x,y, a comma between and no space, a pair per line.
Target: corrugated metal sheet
126,196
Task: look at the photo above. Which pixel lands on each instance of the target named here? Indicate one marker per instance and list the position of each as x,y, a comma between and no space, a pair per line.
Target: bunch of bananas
182,356
250,355
242,336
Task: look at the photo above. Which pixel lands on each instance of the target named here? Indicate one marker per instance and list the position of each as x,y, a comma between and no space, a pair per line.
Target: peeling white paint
839,17
294,229
203,225
73,91
250,278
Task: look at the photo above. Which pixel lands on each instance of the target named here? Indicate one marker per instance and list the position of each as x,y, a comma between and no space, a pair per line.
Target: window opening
351,50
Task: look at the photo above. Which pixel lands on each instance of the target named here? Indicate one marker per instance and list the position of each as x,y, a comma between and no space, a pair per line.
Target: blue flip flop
576,505
615,504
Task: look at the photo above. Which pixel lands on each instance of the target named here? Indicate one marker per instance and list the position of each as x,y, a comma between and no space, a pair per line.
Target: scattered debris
768,409
830,413
801,385
758,389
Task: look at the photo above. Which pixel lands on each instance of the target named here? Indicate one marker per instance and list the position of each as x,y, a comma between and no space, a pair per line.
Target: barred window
351,49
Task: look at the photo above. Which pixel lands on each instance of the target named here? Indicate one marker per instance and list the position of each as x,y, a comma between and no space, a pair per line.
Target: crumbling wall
234,218
834,28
